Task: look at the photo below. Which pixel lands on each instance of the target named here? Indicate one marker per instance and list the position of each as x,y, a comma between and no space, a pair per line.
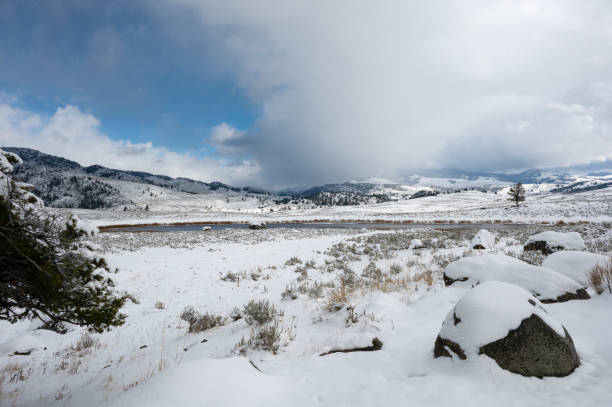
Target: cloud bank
74,134
355,89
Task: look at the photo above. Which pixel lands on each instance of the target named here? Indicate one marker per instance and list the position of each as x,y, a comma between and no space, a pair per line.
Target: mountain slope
65,183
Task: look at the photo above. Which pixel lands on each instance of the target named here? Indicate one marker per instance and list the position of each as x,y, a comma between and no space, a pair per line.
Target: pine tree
517,193
45,269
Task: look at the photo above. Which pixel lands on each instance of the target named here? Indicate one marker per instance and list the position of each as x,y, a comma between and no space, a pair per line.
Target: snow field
152,360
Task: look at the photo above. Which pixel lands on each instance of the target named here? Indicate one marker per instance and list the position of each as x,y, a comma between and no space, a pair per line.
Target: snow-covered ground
331,290
474,206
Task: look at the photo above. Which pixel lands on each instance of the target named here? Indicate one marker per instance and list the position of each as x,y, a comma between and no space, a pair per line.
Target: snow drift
543,283
575,264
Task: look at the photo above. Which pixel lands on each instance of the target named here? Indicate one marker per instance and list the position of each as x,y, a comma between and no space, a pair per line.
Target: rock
575,264
549,242
535,349
206,228
517,332
545,284
483,240
376,345
257,225
540,246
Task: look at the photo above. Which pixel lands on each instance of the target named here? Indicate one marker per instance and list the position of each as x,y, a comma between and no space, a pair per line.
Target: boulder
549,242
257,225
509,325
575,264
545,284
483,240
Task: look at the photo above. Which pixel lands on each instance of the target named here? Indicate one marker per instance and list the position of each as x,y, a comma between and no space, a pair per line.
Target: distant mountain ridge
64,183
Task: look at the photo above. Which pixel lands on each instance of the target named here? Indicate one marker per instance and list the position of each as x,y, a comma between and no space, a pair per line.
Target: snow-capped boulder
574,264
549,242
257,225
21,345
416,244
545,284
206,228
508,324
483,240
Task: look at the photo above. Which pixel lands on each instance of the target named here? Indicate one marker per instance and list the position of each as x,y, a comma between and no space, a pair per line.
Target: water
320,225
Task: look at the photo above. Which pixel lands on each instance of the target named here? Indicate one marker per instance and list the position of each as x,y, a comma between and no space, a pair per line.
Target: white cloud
355,89
76,135
226,139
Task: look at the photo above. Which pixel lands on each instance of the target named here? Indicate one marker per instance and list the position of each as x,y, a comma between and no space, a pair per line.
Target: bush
200,322
266,338
259,312
236,314
229,276
293,261
600,277
372,272
289,294
395,268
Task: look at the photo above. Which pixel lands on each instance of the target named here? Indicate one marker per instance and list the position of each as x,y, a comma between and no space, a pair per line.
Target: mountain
64,183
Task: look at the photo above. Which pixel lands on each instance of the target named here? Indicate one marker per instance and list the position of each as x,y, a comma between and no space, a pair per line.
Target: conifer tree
47,270
517,193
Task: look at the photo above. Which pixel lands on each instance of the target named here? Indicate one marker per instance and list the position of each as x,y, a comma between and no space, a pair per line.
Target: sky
281,94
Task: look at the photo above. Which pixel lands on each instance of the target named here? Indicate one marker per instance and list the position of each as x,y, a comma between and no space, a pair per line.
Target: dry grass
86,342
16,372
600,277
337,297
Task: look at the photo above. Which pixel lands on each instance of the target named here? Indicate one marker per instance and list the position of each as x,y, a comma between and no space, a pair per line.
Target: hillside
65,183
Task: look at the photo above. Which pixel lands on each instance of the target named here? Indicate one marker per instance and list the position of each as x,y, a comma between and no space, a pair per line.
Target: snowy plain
397,296
166,206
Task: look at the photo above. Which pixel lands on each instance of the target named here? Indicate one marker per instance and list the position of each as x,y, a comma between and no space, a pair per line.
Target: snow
488,312
484,238
153,360
21,344
543,283
167,206
84,226
575,264
568,240
209,382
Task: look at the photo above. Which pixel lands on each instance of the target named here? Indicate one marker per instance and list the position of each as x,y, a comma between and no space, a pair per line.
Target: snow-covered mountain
65,183
535,180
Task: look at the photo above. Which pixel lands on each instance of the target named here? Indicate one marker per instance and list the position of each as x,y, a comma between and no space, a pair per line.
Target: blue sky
116,61
283,94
